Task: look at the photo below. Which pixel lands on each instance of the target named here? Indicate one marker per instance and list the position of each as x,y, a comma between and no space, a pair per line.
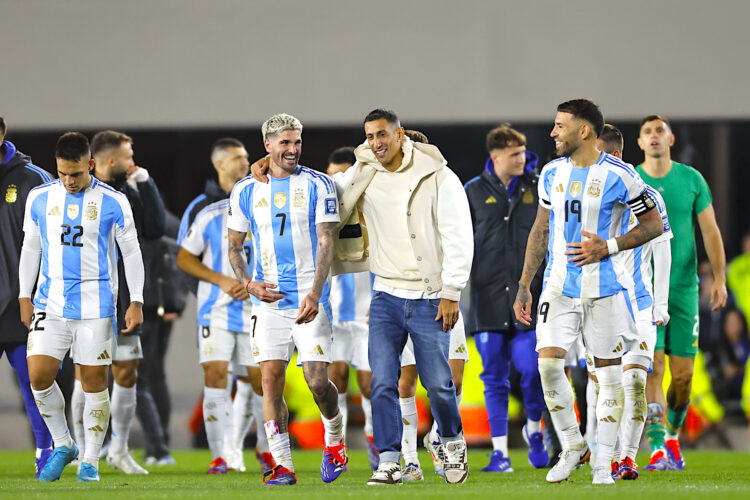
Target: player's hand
661,316
260,290
718,295
27,311
138,174
133,317
589,251
259,169
233,288
448,311
522,305
308,311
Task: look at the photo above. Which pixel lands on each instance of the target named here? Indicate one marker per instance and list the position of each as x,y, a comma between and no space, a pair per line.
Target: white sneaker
412,472
602,475
234,458
387,473
437,454
455,467
125,463
165,460
569,460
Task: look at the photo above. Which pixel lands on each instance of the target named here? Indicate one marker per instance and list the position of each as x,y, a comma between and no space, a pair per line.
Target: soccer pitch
724,475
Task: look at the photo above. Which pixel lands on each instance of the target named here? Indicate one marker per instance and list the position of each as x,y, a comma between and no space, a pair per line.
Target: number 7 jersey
282,216
78,271
592,199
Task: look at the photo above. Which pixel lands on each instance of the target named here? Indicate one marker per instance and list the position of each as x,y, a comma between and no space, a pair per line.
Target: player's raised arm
536,250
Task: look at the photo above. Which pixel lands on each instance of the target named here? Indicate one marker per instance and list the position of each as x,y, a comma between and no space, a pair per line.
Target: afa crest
595,189
11,194
91,211
279,200
299,198
528,197
72,211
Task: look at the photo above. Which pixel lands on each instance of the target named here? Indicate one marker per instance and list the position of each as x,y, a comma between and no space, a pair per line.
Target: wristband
612,246
246,289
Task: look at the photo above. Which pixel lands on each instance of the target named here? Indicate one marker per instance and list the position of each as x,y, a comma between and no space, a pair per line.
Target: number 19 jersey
282,216
592,199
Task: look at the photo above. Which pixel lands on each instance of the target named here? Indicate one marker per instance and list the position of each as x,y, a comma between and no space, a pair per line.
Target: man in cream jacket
407,214
405,217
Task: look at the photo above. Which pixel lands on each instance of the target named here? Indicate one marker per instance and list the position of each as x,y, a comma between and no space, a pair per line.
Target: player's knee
318,385
551,370
406,388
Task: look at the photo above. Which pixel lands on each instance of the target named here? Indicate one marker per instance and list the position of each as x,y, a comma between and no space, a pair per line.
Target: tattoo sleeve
536,246
237,256
324,255
649,227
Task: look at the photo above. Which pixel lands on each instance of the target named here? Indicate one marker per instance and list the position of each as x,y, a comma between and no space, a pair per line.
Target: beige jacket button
426,280
419,259
413,236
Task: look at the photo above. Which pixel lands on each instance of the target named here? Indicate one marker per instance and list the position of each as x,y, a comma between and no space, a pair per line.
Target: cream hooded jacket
437,217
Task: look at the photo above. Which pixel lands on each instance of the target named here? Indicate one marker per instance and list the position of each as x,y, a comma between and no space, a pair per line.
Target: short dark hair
108,139
382,113
612,138
72,146
3,127
584,109
503,137
343,155
651,118
225,143
416,136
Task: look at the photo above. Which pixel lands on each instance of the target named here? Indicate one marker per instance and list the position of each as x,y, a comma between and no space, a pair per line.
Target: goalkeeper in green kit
686,195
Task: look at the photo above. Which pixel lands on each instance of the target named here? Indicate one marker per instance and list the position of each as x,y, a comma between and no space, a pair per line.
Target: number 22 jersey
593,199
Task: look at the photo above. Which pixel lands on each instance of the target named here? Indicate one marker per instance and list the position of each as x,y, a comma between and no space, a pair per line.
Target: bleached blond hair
280,123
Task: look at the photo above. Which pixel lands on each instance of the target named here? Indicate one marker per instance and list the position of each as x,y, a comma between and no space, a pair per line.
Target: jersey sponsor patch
331,207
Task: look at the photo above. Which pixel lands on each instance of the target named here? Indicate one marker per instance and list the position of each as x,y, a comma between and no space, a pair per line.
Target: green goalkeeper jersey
686,194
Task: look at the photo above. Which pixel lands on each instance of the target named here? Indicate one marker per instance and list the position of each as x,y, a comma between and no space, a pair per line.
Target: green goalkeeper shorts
680,336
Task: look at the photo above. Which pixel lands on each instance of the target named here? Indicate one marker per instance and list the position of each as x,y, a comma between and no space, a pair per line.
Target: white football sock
344,410
77,402
533,426
367,410
609,408
334,429
95,422
260,430
500,443
410,420
51,404
123,412
634,414
242,411
214,416
279,445
229,415
592,391
559,398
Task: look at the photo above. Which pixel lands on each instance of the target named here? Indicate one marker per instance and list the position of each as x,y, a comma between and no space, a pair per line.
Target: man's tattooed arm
536,250
237,256
324,256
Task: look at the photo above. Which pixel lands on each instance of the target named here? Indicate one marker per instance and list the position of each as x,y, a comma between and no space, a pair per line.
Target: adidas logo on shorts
461,349
642,346
317,350
104,355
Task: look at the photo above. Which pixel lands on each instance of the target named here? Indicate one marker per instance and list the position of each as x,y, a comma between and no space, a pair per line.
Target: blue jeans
391,320
497,351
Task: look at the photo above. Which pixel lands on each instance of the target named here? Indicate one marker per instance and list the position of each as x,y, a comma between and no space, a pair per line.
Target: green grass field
720,475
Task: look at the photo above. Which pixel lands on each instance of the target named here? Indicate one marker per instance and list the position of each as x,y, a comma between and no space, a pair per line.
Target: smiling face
285,149
567,133
509,162
233,163
656,139
75,174
385,140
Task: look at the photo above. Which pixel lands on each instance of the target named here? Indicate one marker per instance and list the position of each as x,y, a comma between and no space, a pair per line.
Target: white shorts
606,324
350,343
91,342
641,351
275,335
128,347
576,354
457,349
218,344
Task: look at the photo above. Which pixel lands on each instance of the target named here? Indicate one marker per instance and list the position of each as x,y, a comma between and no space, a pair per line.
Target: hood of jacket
12,157
424,158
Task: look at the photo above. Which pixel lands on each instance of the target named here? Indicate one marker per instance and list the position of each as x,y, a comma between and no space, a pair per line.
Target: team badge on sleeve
331,206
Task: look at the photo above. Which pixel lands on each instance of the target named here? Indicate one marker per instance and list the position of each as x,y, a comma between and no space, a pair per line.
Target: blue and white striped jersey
78,278
350,296
208,236
282,215
638,269
593,199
